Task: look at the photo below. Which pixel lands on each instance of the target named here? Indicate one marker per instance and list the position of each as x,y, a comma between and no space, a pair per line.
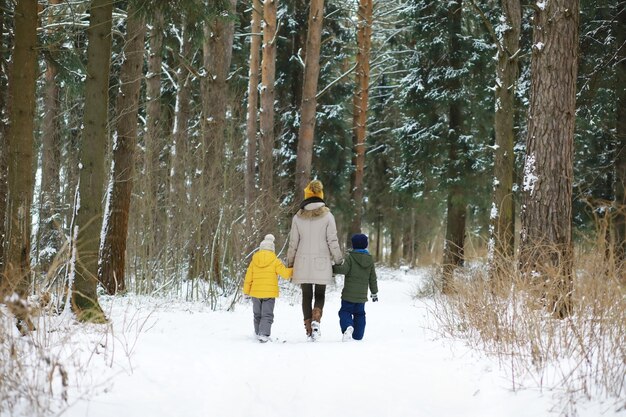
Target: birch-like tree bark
111,272
546,231
306,134
359,113
92,151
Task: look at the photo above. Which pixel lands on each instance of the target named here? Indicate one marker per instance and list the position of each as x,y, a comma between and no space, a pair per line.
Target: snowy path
201,363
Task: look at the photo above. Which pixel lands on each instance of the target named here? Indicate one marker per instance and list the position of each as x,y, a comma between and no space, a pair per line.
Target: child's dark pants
352,314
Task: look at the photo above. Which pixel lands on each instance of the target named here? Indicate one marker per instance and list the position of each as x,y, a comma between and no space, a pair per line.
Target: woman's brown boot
315,324
307,327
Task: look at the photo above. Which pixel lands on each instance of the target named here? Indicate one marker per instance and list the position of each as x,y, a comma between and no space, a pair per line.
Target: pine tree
112,263
20,146
308,109
546,235
92,150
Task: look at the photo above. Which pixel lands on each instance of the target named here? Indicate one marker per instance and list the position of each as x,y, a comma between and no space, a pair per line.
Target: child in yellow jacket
261,284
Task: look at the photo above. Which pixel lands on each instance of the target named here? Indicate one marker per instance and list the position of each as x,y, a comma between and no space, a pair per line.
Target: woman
313,247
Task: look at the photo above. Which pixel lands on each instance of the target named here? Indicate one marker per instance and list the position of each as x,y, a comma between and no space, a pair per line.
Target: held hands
374,297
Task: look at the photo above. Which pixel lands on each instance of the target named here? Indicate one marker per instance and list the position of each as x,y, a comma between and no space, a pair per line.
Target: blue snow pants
352,314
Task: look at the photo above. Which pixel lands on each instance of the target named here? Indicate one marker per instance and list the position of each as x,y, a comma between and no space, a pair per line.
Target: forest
148,146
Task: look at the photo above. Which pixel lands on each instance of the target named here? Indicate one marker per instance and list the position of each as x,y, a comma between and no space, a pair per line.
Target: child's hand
374,297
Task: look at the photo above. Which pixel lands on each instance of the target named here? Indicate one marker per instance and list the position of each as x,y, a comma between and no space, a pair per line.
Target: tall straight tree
217,53
180,131
359,113
454,244
113,255
620,159
306,133
502,227
256,15
92,152
546,234
20,139
3,137
266,122
49,216
153,209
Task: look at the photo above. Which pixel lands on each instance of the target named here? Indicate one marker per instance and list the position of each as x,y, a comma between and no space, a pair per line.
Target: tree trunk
306,134
3,141
546,235
266,122
113,254
16,274
178,194
359,115
217,51
253,104
409,242
620,159
155,182
454,244
92,152
50,217
502,237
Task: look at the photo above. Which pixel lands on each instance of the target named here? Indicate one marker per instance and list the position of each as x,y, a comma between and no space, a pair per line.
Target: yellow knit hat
314,189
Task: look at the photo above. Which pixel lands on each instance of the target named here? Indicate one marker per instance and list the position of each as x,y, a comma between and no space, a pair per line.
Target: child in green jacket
358,267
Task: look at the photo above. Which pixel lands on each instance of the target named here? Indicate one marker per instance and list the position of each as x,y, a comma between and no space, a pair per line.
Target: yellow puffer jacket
262,275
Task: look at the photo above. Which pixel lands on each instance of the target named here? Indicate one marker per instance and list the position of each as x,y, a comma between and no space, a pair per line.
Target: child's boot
347,335
315,324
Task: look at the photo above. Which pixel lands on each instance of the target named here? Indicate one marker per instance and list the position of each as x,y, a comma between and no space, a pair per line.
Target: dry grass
580,356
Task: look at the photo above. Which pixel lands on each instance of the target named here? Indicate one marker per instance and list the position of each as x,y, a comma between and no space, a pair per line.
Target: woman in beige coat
313,248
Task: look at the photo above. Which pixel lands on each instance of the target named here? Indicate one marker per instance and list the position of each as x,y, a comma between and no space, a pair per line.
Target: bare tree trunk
181,121
359,115
179,199
3,141
408,241
50,216
306,134
153,209
92,151
253,103
113,254
620,159
217,50
266,143
546,235
16,274
454,244
502,220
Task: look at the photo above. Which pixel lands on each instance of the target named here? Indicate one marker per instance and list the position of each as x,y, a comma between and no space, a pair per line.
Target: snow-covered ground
173,359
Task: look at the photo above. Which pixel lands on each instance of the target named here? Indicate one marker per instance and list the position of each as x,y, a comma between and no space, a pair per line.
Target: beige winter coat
313,245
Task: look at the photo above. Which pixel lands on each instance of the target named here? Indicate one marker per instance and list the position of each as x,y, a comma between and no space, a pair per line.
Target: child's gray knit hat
268,243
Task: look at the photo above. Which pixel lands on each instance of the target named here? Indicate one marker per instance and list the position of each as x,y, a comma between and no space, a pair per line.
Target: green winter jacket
360,273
